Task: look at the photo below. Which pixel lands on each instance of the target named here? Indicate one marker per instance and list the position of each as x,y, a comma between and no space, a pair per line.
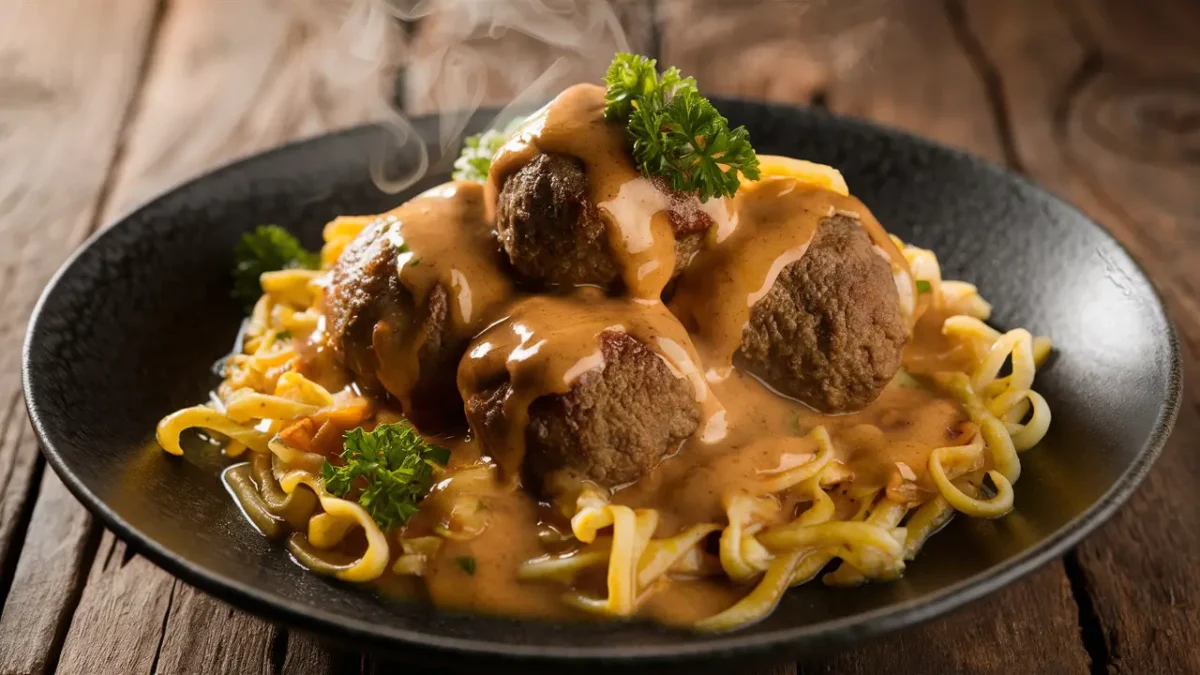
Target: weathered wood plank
227,79
906,64
231,79
19,461
896,62
1027,628
43,597
306,655
61,112
784,669
1104,98
122,636
203,635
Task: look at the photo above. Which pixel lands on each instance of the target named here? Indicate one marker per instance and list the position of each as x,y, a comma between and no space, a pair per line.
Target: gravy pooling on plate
632,401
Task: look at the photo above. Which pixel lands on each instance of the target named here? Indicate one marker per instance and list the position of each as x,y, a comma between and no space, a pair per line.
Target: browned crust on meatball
549,227
363,288
830,332
553,233
368,312
613,426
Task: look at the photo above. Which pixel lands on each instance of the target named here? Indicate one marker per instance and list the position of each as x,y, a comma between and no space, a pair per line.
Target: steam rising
465,54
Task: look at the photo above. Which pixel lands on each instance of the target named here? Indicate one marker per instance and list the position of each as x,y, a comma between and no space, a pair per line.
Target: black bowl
129,327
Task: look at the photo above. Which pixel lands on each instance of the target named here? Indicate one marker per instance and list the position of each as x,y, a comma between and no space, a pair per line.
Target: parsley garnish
924,286
390,468
677,133
630,77
283,335
475,160
267,249
467,563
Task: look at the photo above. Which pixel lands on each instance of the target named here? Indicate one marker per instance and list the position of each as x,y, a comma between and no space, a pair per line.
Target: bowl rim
793,640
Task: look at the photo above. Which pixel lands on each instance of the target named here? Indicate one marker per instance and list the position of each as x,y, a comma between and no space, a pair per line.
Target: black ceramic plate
128,330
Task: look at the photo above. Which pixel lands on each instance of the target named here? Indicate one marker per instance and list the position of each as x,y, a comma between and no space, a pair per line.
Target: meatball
549,227
830,332
553,233
370,315
614,425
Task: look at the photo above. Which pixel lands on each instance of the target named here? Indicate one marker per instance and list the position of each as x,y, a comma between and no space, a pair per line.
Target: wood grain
231,79
117,627
1099,101
46,586
907,64
226,80
894,61
307,655
61,113
1029,627
1104,99
204,635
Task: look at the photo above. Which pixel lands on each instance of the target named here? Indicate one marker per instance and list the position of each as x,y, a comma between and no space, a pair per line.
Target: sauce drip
546,343
633,208
445,247
451,243
766,433
774,221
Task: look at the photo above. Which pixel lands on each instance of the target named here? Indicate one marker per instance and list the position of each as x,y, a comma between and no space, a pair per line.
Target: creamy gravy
774,221
547,342
632,207
539,345
767,433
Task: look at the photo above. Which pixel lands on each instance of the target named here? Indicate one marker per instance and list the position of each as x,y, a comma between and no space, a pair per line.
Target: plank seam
989,75
82,573
162,631
21,528
1091,633
1091,630
130,117
6,425
24,515
279,648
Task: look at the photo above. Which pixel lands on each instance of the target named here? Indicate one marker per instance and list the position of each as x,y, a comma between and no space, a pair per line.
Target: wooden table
104,102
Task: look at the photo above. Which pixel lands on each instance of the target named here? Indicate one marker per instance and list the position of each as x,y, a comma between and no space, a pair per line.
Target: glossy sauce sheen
445,241
632,207
546,343
542,344
774,221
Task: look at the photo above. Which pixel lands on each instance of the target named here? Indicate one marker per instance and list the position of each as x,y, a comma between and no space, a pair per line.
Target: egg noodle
263,400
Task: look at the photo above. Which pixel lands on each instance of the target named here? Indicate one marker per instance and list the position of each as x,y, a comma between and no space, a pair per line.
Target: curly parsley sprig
267,249
475,159
676,132
390,468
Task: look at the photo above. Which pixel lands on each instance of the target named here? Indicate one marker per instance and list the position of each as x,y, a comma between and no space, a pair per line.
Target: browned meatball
830,332
553,233
614,425
549,227
369,311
